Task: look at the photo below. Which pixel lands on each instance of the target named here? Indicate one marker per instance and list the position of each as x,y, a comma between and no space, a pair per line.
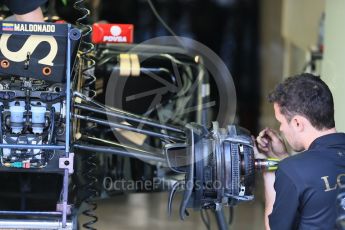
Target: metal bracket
59,208
67,163
242,190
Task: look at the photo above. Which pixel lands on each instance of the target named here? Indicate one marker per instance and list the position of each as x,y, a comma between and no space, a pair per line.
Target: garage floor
149,211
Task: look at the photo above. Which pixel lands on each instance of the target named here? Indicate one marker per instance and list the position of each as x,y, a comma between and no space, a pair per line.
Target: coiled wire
87,62
87,48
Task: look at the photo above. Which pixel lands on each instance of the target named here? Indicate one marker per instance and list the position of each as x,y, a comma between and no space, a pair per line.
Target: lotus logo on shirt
332,184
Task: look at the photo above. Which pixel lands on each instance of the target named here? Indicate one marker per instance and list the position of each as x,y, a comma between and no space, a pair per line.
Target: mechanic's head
302,103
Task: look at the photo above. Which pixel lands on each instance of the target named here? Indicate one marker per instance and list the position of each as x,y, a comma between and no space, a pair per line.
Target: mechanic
26,10
302,193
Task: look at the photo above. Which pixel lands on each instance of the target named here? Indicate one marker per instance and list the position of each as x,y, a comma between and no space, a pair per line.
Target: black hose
172,196
1,109
205,217
231,214
221,221
52,125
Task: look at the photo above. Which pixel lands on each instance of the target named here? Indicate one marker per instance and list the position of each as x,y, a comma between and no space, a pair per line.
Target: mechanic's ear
298,123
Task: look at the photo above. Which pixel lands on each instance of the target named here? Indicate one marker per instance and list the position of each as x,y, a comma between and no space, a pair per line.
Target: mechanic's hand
257,154
271,144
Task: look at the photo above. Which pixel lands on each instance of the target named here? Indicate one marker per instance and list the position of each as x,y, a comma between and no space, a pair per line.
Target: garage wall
300,29
289,28
333,65
271,56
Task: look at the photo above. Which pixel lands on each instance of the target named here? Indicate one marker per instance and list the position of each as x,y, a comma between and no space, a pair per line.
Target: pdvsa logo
112,33
116,32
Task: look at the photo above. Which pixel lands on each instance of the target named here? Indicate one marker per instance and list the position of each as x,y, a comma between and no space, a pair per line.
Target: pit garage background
261,42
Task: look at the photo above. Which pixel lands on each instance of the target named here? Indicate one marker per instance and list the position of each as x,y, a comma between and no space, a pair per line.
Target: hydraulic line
120,152
115,144
126,117
127,127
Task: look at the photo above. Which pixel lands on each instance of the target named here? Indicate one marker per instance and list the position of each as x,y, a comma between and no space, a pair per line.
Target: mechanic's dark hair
306,95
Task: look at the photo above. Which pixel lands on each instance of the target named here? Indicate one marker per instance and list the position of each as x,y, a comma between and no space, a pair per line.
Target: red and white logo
116,31
116,35
112,33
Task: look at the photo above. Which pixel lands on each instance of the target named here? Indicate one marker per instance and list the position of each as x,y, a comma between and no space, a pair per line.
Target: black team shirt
307,186
23,6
